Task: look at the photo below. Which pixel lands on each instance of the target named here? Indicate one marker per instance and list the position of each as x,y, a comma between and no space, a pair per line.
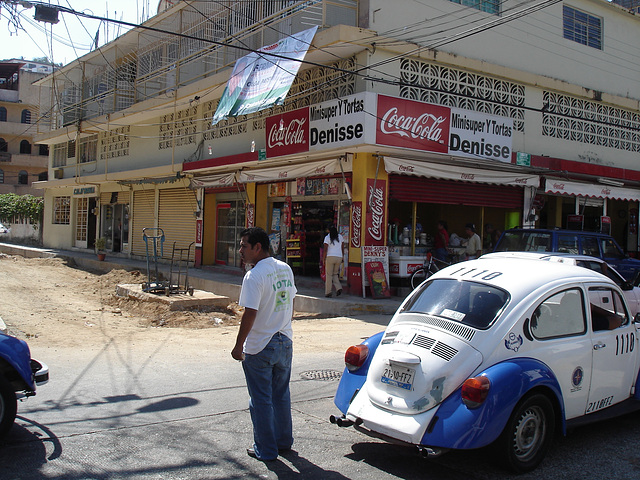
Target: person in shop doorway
491,236
333,254
474,244
441,242
264,345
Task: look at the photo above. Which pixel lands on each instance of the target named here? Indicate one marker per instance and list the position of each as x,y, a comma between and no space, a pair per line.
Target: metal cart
153,283
179,271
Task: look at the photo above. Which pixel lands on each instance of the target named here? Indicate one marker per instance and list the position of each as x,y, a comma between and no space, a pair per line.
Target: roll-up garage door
407,188
144,209
176,216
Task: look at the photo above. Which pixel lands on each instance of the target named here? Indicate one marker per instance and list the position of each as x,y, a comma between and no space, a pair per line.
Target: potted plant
100,248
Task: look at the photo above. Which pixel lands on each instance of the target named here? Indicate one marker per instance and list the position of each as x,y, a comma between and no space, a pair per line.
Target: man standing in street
264,344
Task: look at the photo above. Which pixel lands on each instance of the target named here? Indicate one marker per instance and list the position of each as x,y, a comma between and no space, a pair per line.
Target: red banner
376,210
250,220
288,133
410,124
356,224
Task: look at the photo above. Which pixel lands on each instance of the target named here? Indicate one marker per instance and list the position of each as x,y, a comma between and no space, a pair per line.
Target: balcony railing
159,66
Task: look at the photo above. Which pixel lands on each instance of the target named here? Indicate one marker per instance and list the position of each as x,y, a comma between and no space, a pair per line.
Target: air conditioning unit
58,173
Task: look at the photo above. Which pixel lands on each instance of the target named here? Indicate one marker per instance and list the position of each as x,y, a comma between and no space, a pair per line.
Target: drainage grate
325,375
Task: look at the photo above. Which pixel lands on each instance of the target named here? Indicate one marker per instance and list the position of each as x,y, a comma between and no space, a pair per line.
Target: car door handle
599,345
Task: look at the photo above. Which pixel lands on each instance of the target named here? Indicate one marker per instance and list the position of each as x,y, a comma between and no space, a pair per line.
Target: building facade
401,115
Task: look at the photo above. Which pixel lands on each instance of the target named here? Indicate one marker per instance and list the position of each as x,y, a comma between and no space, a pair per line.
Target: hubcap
529,433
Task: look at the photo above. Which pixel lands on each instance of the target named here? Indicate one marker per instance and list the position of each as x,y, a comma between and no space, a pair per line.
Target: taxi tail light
355,357
475,391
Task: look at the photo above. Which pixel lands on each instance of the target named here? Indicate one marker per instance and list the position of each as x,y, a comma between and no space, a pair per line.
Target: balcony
154,66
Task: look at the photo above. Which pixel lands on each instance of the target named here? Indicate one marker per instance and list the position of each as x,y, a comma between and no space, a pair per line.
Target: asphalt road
162,411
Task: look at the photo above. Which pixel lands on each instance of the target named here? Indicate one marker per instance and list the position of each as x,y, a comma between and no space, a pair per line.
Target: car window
604,269
473,304
608,310
590,246
610,249
560,315
568,244
524,242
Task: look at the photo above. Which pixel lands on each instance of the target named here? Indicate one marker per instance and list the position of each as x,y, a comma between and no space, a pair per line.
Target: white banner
289,172
458,172
557,185
259,81
219,180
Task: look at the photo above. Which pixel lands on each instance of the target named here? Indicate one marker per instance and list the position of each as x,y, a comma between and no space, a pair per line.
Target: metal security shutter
176,216
144,208
407,188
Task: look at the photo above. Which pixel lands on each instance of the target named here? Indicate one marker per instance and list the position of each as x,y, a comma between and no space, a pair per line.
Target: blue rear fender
457,426
353,381
15,354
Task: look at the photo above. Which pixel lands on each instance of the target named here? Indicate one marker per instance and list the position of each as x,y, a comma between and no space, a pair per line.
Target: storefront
114,220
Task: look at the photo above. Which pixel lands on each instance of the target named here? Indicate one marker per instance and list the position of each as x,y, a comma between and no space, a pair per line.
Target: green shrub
24,207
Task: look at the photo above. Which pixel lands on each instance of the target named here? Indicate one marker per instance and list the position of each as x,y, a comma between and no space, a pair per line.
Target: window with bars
489,6
59,155
581,27
62,210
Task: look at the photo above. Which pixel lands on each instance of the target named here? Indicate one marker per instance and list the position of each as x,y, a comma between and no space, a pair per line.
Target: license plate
397,376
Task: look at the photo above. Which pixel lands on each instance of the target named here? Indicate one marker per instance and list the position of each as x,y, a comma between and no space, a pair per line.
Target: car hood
416,367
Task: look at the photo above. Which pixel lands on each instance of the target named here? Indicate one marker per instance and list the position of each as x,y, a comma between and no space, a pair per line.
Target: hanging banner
250,220
260,81
376,208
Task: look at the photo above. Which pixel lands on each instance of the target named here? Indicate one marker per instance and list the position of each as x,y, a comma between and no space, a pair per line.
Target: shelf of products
295,251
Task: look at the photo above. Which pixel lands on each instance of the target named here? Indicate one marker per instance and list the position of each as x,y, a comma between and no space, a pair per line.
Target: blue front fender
457,426
353,381
16,354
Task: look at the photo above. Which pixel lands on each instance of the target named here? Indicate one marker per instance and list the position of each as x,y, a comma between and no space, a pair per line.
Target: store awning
560,186
218,180
289,172
419,168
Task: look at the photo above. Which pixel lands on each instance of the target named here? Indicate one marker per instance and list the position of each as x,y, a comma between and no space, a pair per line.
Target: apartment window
87,149
26,116
59,155
581,27
1,176
3,145
43,149
25,147
62,210
3,114
489,6
23,178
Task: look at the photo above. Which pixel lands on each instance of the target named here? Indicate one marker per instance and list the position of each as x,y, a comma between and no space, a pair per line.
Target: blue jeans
268,374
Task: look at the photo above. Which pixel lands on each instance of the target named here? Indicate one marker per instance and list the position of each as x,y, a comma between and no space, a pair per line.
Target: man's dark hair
256,235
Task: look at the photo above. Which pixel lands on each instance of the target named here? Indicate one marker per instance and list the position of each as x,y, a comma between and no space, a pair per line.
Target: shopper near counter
333,254
474,244
441,242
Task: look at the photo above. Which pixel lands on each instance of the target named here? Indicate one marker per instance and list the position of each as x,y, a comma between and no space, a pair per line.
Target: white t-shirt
335,249
268,288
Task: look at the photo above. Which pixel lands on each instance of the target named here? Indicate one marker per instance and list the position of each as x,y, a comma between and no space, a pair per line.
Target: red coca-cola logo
410,124
356,223
288,133
250,215
376,207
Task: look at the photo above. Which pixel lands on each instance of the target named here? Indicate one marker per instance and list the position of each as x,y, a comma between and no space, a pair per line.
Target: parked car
495,351
594,244
3,229
631,290
19,376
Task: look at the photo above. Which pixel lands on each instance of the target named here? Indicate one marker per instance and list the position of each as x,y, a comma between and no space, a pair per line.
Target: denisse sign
398,122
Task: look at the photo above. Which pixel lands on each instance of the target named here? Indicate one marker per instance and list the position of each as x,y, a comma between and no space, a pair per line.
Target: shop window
23,177
62,210
3,114
25,147
26,116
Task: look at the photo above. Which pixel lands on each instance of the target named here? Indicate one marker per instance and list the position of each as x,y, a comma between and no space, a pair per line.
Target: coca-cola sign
288,133
376,209
356,224
410,124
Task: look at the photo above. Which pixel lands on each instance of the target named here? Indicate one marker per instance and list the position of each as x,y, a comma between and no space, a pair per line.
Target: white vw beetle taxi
502,351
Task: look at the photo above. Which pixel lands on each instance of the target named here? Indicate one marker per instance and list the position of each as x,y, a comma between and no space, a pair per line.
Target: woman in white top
333,246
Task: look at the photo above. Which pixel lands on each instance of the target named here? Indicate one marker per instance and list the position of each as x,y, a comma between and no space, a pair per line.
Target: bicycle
429,268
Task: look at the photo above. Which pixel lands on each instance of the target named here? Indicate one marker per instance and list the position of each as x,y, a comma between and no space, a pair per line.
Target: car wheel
528,434
8,406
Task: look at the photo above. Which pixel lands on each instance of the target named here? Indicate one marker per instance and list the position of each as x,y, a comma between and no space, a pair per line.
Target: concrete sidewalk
221,281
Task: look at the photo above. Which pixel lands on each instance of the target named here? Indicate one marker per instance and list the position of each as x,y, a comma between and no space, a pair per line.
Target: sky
72,36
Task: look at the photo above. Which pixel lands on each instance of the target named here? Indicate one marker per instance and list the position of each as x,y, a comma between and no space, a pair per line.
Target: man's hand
237,353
